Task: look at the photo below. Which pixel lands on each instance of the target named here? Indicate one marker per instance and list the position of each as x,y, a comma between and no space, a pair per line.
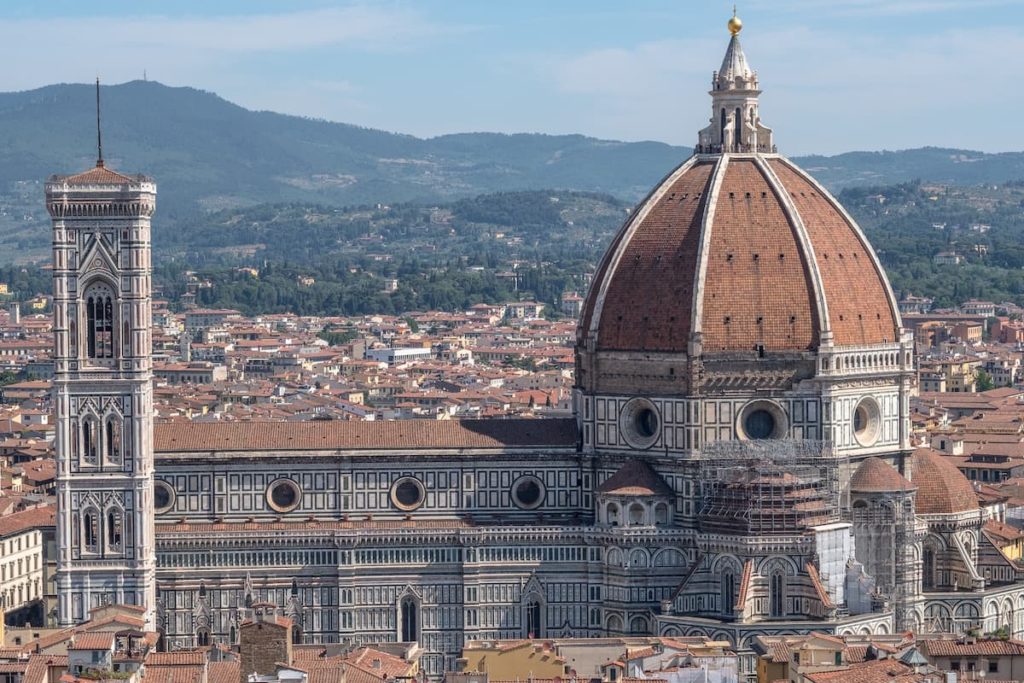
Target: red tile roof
34,518
877,476
758,288
942,488
359,435
942,647
875,671
635,478
99,175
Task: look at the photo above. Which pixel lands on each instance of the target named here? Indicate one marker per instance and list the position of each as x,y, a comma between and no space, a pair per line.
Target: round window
867,422
163,496
759,424
640,423
528,492
408,493
284,495
761,420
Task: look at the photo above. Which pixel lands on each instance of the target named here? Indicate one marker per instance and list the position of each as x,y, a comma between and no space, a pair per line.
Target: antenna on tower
99,133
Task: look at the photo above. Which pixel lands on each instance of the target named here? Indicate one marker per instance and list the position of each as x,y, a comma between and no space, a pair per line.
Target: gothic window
203,637
728,591
90,441
113,440
296,635
99,321
409,616
91,530
776,594
929,569
115,530
534,625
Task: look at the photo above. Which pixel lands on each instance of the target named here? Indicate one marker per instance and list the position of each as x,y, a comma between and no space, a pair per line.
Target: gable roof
359,435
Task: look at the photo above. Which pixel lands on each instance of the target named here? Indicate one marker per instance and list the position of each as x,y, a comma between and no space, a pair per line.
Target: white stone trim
697,310
611,262
804,240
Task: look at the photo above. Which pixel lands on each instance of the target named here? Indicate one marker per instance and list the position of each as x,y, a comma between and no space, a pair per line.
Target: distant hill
208,153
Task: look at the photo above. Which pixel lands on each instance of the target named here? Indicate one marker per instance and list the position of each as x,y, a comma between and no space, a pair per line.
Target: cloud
825,90
176,48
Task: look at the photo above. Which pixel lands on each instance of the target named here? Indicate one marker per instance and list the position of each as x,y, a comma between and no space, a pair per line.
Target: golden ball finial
735,25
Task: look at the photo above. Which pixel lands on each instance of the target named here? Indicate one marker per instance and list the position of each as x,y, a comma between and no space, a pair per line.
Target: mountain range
207,154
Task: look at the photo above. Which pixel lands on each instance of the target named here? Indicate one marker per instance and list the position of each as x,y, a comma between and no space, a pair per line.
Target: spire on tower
99,134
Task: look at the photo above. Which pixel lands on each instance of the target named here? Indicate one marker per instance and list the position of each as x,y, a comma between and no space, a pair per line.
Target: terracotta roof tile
859,306
875,671
658,264
758,289
100,175
942,488
943,647
222,672
877,476
34,518
635,478
359,435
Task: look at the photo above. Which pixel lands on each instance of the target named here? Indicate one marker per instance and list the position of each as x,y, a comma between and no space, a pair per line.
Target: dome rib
700,275
804,240
943,489
653,256
861,304
757,286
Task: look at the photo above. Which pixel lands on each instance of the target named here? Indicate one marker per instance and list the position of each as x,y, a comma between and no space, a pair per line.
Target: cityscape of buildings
738,457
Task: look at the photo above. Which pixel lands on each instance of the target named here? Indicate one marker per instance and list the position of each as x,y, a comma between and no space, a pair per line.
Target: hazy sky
838,75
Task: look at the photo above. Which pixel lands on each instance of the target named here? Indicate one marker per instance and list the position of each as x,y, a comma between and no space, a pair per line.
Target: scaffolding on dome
768,487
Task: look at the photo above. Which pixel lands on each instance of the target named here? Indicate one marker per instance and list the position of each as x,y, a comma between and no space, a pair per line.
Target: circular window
867,422
408,493
528,492
163,496
284,495
640,423
761,420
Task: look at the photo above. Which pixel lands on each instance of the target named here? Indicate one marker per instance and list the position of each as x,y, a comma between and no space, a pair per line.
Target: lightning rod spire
99,133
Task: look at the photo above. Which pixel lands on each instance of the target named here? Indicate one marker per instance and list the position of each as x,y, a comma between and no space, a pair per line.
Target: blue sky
837,75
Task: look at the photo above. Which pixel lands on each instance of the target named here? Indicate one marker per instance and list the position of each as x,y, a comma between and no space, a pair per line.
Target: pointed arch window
91,531
776,594
113,439
728,591
409,618
534,625
928,578
99,321
90,441
115,530
203,637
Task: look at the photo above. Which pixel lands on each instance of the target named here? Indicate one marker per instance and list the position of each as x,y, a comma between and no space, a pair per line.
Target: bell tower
103,390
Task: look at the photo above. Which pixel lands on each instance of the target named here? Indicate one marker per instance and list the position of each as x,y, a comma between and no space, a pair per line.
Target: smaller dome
877,476
635,478
943,489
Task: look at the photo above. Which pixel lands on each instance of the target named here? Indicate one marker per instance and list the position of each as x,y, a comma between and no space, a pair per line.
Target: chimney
263,642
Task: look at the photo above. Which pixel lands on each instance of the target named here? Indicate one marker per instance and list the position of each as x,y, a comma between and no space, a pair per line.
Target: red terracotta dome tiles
648,302
860,309
757,290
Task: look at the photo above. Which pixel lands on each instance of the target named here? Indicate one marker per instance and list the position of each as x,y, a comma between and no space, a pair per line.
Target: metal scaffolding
768,487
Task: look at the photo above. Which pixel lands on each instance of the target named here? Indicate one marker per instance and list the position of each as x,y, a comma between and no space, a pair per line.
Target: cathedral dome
877,476
942,488
738,250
